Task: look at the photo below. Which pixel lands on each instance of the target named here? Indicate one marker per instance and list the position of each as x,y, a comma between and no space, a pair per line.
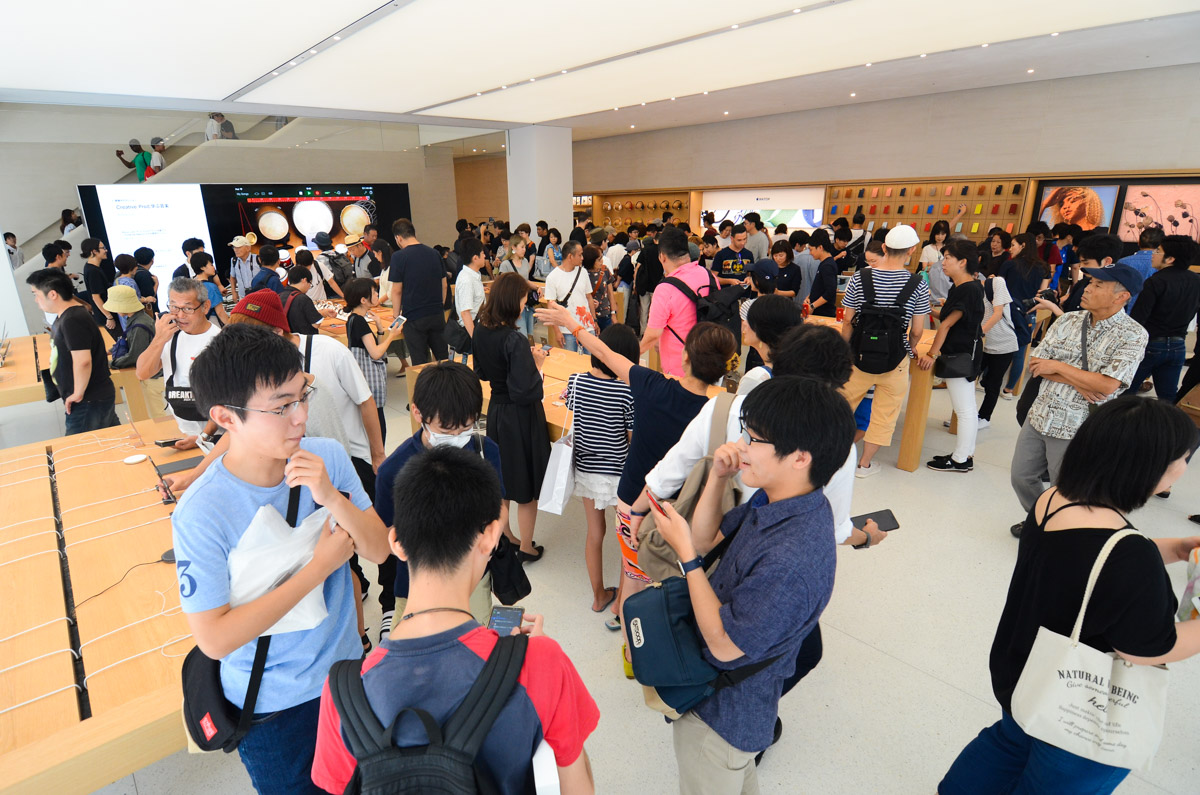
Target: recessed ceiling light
616,108
474,150
795,11
982,45
337,38
923,55
853,94
1028,71
478,93
1053,34
726,113
672,99
868,64
643,104
291,63
564,71
312,52
485,150
275,73
504,86
733,27
632,126
706,93
532,79
503,145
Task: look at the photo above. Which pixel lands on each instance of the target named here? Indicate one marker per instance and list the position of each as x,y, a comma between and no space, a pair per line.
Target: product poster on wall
1090,206
1171,208
797,208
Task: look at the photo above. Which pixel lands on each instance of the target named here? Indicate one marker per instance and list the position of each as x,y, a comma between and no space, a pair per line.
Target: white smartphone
399,321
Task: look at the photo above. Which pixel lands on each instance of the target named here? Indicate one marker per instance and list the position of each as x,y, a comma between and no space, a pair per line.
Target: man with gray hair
179,336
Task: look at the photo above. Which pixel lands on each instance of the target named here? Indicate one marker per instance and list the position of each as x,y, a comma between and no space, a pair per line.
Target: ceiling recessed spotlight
474,150
733,27
479,93
643,104
616,108
291,63
1053,34
532,79
706,93
503,86
564,71
853,94
275,73
1028,71
312,52
337,38
982,45
795,11
485,150
503,145
868,64
726,113
632,126
923,55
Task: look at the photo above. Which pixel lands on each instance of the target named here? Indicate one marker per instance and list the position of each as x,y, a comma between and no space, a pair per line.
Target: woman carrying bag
1129,449
369,351
957,350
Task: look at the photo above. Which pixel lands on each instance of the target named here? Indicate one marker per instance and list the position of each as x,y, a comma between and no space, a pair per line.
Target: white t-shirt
752,379
612,258
186,351
1001,338
558,288
725,241
670,473
930,253
212,130
468,293
157,161
342,382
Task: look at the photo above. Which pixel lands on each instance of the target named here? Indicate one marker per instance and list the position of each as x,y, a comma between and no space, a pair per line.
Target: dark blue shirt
268,278
662,409
145,283
419,269
385,484
773,582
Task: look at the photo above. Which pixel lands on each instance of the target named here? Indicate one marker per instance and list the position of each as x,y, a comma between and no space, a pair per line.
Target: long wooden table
130,638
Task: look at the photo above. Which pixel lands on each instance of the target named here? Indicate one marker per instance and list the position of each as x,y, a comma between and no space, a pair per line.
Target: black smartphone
505,619
166,442
885,519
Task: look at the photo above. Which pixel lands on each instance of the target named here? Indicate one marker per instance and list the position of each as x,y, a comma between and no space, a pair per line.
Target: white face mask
449,439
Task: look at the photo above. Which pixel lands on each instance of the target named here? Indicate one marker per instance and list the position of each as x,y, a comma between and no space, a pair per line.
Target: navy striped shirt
603,419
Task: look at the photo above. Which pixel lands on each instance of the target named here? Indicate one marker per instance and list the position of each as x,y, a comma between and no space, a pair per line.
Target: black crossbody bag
212,722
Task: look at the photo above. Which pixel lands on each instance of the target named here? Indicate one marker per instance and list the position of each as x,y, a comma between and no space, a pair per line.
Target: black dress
516,421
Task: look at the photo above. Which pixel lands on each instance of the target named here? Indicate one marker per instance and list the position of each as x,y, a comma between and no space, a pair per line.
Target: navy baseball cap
1128,277
766,269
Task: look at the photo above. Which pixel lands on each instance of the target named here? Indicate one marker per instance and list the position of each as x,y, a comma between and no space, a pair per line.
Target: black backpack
877,341
720,306
342,268
447,765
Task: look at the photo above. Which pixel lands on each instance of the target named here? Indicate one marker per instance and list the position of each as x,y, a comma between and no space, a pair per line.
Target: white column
539,177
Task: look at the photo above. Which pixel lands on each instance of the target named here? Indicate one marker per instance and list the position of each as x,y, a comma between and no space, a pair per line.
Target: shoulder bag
212,723
1087,702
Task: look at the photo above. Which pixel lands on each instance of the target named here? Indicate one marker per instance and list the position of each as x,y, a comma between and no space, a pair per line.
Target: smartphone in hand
654,502
399,321
505,619
885,519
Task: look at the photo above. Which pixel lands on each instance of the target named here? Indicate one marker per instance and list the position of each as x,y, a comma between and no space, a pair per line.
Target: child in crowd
250,382
446,534
206,273
369,351
447,401
602,425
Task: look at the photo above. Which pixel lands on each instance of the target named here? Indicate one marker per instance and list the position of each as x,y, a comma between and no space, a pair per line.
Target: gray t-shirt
759,245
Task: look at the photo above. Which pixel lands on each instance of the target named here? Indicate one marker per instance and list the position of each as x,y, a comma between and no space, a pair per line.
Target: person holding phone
436,650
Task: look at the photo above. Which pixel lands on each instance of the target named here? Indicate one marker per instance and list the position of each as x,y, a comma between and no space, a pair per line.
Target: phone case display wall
987,203
622,209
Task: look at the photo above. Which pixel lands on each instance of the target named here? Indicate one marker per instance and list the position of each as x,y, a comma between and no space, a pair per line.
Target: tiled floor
904,682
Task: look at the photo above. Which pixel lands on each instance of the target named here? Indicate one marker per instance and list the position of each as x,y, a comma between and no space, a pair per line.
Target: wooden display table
20,377
119,710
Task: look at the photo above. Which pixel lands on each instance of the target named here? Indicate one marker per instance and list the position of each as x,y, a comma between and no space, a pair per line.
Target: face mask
449,439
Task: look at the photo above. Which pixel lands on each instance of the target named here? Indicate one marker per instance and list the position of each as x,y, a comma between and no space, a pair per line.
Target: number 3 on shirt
187,583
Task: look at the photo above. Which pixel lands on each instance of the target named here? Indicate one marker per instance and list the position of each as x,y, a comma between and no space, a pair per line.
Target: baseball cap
901,237
323,241
353,240
239,241
766,269
155,141
1129,278
134,142
263,305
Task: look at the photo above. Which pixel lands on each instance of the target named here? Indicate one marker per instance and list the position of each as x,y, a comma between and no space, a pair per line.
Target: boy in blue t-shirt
250,381
447,400
774,579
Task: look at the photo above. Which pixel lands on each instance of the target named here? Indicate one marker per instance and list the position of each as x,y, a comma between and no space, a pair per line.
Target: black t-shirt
579,235
662,409
356,328
965,334
76,331
302,315
145,283
183,271
789,278
1168,302
825,286
730,264
96,284
1132,607
419,268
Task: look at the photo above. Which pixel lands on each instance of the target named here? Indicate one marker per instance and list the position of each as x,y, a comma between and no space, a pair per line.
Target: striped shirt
888,284
603,419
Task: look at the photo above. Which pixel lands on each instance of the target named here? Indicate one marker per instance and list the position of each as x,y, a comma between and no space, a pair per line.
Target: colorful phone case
870,225
929,225
978,209
965,189
888,193
1009,228
849,193
981,190
1017,189
883,225
999,189
958,227
904,190
949,189
861,191
916,210
975,227
874,193
887,208
872,210
832,211
1012,208
995,209
945,209
929,210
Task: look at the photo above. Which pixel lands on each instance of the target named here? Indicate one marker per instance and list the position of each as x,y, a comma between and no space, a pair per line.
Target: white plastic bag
559,483
268,553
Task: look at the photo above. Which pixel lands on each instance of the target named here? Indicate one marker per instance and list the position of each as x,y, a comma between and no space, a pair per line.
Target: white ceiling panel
205,50
795,45
435,51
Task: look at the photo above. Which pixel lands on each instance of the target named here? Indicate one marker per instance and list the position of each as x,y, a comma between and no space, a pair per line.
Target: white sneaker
983,424
1006,395
868,471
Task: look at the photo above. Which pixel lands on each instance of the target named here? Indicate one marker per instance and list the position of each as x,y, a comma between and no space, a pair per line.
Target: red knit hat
263,305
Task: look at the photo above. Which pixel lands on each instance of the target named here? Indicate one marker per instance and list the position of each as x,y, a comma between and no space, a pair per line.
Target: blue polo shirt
266,277
385,485
774,581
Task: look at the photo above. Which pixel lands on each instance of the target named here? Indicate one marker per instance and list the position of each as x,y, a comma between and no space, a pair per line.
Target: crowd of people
288,418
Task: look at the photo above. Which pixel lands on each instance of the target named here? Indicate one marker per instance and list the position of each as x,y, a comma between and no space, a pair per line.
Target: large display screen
287,215
1090,206
1171,208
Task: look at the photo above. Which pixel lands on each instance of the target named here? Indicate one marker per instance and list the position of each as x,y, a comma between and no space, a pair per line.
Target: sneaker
867,471
983,423
778,733
1006,394
385,626
945,423
944,463
1016,529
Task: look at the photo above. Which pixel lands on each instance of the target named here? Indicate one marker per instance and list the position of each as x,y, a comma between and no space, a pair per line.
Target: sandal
366,641
628,665
611,599
613,624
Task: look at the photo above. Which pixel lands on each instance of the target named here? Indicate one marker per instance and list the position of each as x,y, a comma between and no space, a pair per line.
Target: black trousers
806,659
995,366
1190,379
424,336
387,570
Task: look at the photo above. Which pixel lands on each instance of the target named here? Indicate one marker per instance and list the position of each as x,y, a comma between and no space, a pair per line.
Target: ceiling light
504,86
275,73
795,11
733,27
632,126
672,99
291,63
643,104
503,145
1053,34
982,45
564,71
706,93
485,150
923,55
726,113
532,79
868,64
616,108
853,94
474,150
1028,71
312,52
337,38
478,94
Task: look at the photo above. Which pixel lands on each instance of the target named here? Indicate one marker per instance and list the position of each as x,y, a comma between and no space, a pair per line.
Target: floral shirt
601,279
1114,347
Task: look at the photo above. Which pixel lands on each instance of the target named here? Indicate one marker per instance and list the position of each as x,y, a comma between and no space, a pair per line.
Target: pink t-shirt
671,310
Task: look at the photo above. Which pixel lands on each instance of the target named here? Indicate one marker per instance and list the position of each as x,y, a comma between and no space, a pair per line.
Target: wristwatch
691,565
209,438
866,544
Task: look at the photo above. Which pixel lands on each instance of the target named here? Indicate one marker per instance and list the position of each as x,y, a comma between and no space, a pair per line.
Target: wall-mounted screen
1090,206
1171,208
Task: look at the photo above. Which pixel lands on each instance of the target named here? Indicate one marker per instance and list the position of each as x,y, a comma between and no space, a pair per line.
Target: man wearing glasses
179,336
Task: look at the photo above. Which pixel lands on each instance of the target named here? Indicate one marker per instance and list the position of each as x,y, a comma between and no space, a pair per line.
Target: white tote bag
559,483
1087,702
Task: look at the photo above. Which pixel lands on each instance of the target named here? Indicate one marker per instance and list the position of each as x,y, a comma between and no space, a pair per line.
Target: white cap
901,237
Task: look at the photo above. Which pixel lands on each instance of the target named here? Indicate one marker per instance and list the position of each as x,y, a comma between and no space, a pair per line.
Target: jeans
995,365
424,336
1004,759
91,415
962,397
1018,364
1033,455
603,322
525,321
1163,361
570,343
278,750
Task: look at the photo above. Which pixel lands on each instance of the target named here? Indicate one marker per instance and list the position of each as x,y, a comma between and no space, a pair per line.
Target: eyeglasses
286,409
182,310
746,437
